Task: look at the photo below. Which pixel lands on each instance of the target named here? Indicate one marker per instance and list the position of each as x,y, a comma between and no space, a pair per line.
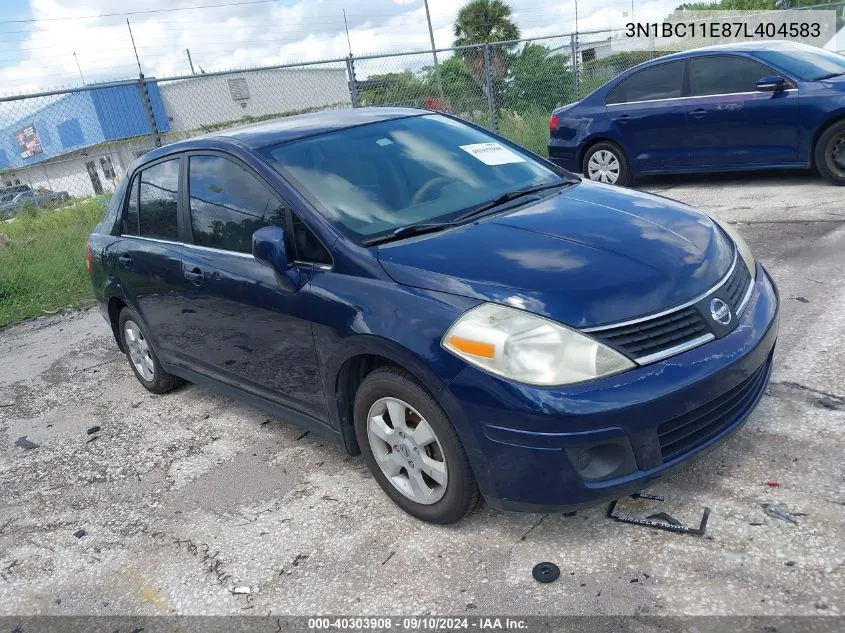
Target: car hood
588,255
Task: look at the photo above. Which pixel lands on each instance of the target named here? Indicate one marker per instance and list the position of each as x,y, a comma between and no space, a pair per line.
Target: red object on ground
772,484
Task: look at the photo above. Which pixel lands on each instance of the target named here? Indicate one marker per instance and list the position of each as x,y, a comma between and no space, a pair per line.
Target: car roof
742,47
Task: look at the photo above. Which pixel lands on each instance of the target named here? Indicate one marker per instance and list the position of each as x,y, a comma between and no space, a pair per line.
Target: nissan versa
472,319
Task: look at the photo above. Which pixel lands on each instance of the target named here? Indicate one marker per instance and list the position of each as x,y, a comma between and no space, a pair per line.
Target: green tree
399,89
484,21
537,78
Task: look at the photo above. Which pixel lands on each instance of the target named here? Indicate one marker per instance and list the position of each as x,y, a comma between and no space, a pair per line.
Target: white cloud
276,32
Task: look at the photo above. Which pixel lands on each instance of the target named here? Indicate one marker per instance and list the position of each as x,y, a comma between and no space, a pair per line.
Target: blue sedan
767,105
470,318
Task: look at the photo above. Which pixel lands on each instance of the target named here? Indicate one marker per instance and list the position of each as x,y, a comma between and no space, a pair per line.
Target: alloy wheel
603,166
836,153
407,450
139,350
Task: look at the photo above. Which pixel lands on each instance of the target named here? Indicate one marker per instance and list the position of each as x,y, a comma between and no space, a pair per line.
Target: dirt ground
185,496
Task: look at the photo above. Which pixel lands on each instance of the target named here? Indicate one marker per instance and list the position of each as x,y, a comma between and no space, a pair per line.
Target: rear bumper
531,448
564,154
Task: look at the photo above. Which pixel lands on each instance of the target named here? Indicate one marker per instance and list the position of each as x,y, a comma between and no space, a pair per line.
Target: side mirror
268,247
771,84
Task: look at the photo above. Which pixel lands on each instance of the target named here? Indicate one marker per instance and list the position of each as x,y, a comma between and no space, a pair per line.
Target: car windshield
374,179
807,62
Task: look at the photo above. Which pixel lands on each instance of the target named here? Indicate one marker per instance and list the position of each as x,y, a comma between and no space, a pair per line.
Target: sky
42,40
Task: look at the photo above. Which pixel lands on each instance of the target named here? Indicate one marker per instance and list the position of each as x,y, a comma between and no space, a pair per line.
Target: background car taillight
553,122
89,258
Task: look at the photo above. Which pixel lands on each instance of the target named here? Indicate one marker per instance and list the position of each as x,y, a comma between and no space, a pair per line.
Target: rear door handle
623,118
125,261
195,276
698,113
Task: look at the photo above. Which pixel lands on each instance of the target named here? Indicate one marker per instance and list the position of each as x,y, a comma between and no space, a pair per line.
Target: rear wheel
605,162
142,356
830,153
411,448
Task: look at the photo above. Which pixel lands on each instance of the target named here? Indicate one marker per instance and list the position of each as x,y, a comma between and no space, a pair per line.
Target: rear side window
726,75
228,204
157,201
658,82
130,215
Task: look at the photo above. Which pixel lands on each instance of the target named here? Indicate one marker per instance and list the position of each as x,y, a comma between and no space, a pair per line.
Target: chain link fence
63,152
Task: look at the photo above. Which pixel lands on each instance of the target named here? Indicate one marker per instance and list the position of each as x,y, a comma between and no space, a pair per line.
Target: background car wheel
830,153
605,162
412,449
142,357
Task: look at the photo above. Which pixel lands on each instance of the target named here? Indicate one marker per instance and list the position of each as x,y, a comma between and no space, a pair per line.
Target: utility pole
434,50
79,68
188,51
348,41
132,37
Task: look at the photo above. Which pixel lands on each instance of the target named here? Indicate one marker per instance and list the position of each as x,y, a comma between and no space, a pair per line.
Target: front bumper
522,441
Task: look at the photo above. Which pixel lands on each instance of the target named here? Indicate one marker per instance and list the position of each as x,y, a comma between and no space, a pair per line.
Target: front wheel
605,162
411,448
830,153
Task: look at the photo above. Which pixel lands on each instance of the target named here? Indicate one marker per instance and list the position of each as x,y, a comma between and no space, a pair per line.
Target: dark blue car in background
724,108
469,317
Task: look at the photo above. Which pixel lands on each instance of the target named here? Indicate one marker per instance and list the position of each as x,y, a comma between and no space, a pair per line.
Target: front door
731,123
237,324
649,116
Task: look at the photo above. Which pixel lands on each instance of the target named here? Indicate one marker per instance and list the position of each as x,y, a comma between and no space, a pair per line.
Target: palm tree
483,21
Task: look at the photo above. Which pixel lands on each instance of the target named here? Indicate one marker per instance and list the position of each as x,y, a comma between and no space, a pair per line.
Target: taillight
89,258
553,122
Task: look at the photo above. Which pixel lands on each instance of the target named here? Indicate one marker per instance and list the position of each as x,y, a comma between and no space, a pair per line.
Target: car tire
605,162
829,153
142,357
388,448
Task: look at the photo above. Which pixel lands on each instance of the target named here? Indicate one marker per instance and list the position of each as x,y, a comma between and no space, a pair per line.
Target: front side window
372,179
723,74
157,200
229,204
658,82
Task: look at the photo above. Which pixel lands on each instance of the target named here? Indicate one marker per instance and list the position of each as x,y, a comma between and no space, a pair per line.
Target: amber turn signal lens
476,348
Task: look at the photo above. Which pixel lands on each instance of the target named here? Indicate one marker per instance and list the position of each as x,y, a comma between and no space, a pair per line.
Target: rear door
731,123
238,325
148,256
649,116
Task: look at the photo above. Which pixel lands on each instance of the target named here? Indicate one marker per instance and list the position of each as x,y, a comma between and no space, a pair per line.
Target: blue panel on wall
4,160
121,111
70,133
43,131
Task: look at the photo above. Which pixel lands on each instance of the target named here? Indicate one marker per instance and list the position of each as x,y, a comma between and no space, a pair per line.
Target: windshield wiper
511,195
407,231
830,76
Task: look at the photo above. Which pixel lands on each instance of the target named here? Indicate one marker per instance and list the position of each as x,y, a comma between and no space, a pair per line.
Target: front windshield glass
807,62
373,179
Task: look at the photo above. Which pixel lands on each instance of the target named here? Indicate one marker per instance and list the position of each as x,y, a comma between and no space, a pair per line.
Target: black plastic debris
93,429
545,572
776,513
660,520
25,444
80,533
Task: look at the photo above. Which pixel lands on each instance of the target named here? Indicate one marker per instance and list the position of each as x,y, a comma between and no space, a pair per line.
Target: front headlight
741,246
528,348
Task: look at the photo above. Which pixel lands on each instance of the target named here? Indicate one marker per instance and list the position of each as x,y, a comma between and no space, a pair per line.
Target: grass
530,129
42,259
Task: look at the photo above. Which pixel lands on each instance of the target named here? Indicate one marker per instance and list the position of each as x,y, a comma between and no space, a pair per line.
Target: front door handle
698,113
125,261
195,276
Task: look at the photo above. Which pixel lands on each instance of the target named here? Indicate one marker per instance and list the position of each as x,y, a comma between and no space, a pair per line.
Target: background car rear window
724,74
158,197
658,82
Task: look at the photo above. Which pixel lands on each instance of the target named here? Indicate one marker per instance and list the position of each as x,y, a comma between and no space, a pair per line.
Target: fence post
488,83
148,107
573,52
353,83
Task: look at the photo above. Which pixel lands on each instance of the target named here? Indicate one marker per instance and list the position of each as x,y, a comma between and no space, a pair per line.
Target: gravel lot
183,497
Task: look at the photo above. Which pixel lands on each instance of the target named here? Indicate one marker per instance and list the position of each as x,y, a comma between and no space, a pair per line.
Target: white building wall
209,100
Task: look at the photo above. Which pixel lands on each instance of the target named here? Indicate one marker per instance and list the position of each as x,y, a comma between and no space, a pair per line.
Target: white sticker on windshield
384,141
492,153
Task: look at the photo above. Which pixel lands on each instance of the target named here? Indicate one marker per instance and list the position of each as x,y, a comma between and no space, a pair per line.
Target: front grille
682,434
737,285
645,338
